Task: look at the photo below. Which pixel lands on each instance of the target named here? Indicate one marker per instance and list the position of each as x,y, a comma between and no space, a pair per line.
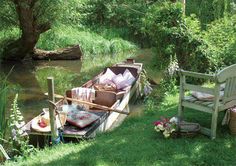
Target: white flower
156,128
160,126
166,134
174,120
172,130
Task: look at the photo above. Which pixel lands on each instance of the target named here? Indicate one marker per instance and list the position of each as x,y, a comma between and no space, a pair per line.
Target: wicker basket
187,129
232,122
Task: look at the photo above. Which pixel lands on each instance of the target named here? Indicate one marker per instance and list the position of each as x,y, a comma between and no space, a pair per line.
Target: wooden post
181,95
184,7
52,114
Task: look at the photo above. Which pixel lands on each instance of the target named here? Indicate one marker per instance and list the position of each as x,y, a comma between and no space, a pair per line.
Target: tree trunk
70,53
30,30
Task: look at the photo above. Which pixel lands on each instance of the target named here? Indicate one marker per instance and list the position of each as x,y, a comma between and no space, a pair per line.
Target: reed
3,103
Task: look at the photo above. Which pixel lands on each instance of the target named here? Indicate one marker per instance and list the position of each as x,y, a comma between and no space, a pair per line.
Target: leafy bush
172,34
125,14
203,9
221,42
7,35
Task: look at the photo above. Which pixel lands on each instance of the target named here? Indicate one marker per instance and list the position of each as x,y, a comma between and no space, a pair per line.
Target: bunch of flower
166,126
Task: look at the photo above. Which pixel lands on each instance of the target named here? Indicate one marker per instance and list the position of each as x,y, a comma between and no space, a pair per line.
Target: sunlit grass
91,43
136,143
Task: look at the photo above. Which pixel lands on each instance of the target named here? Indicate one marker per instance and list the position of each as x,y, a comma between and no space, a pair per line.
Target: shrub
172,34
125,14
221,42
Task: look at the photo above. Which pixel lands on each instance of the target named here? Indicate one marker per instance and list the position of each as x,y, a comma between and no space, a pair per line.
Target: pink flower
157,123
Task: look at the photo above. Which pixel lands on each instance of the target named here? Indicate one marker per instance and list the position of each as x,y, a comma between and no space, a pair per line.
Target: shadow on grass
136,143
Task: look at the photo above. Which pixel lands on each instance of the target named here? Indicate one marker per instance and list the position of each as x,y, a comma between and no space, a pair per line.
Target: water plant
18,138
3,102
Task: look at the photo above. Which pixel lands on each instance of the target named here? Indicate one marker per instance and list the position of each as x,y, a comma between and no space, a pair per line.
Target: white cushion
205,96
129,77
81,119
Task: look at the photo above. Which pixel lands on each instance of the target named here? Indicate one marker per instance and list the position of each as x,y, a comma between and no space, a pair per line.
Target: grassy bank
136,143
93,44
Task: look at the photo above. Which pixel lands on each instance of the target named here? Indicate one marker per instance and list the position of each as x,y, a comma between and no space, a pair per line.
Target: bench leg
214,124
180,111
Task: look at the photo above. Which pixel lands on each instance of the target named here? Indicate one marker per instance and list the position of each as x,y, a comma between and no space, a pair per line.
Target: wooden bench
219,103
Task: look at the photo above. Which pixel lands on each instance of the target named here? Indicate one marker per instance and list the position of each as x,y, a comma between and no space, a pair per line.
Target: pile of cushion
120,81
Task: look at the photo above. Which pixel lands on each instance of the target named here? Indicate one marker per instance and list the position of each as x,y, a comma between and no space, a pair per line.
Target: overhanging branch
44,27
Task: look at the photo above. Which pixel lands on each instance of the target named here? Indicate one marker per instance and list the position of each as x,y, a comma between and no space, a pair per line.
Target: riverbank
136,143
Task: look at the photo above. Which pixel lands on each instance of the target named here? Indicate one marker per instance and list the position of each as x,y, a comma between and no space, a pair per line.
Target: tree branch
43,27
33,2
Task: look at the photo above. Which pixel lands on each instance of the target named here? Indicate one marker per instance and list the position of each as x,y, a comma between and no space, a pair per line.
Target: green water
29,80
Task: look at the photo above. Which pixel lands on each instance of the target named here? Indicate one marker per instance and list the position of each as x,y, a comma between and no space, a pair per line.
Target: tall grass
91,43
3,102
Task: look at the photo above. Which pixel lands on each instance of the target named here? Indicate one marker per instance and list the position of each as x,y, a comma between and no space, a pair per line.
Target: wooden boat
117,100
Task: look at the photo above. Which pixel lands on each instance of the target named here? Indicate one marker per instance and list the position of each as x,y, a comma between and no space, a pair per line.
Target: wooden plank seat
220,101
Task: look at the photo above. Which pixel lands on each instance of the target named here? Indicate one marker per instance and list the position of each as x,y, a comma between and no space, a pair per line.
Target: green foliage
169,80
8,15
210,10
122,14
91,43
221,42
16,126
8,35
3,111
172,34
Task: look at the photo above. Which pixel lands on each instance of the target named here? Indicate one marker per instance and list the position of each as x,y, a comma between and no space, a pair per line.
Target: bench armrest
196,75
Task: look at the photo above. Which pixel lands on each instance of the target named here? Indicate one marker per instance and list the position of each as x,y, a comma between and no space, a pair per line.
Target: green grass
136,143
3,111
60,36
92,44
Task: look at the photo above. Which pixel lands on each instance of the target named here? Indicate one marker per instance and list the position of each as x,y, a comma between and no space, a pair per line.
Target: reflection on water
29,80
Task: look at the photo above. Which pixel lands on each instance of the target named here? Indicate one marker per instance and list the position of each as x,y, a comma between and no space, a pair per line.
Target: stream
29,80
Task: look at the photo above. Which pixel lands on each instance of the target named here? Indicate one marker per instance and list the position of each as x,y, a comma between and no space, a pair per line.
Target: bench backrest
228,76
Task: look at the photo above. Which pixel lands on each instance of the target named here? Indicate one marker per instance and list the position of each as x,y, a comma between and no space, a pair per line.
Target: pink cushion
81,119
109,75
119,81
129,77
123,81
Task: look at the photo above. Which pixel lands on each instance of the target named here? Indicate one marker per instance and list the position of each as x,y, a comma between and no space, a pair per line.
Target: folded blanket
85,94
